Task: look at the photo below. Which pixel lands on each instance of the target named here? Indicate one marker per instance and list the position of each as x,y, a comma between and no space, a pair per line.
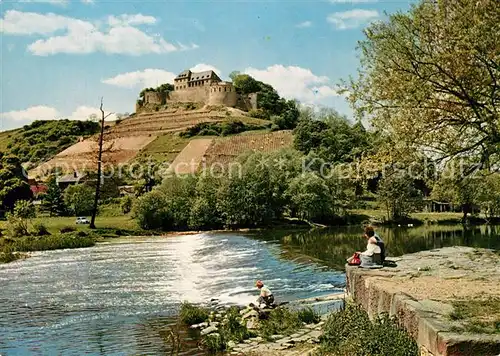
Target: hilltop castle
202,87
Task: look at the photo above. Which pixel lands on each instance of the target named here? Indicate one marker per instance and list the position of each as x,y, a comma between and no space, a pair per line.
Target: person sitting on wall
266,298
374,256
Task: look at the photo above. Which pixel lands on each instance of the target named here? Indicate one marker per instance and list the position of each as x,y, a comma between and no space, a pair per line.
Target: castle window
224,88
220,89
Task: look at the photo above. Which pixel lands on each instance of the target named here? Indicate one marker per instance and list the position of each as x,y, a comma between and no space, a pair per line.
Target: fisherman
266,296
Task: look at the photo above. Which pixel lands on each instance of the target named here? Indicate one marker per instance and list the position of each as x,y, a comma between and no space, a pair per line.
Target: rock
203,325
215,323
218,316
276,337
251,314
231,344
252,324
315,334
258,339
208,330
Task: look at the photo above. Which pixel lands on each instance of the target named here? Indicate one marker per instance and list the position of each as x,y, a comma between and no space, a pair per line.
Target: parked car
82,220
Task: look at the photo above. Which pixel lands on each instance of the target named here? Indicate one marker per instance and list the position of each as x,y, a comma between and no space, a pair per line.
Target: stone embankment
424,291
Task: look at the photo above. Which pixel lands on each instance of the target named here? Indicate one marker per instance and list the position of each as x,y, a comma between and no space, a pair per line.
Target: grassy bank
419,218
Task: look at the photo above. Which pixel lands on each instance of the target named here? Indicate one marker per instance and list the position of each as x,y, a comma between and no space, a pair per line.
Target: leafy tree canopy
41,140
430,79
13,182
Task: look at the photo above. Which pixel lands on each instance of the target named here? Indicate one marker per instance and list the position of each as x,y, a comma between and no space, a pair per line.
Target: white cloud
13,119
84,112
53,2
81,37
88,2
151,77
141,79
137,19
295,82
304,24
352,18
31,23
201,67
39,112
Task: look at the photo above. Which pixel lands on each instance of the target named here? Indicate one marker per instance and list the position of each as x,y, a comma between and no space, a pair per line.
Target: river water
120,298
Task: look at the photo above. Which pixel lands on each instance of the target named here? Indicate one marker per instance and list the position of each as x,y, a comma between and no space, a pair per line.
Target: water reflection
120,299
332,246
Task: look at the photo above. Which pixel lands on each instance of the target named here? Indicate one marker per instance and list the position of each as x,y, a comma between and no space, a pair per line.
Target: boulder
231,344
252,324
251,314
209,330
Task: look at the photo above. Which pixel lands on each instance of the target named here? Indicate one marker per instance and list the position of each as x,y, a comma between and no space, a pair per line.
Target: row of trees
263,187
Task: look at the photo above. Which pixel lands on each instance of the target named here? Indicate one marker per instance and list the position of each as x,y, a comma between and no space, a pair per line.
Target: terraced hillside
127,138
226,149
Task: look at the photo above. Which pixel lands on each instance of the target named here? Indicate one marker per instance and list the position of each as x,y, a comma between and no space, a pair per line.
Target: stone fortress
204,88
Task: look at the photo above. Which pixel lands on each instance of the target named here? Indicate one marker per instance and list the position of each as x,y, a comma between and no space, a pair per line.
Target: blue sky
58,57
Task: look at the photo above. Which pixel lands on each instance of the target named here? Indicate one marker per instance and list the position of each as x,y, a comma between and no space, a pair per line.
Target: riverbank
448,299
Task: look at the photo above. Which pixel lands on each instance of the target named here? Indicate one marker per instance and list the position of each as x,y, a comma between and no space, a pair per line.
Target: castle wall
223,95
195,95
152,97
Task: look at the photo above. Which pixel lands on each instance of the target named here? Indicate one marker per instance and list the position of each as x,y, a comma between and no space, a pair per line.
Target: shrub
126,204
309,316
39,229
16,226
52,242
66,229
350,331
232,329
213,342
7,255
281,321
258,114
191,314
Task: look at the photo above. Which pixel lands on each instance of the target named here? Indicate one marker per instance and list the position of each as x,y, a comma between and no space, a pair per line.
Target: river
120,298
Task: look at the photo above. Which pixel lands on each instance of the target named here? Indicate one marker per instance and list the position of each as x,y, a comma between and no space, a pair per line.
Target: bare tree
99,169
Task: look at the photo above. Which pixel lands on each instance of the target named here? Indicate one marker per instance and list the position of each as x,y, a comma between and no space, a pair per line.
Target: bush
309,316
350,331
39,229
66,229
213,342
281,321
191,314
52,242
16,227
258,114
126,204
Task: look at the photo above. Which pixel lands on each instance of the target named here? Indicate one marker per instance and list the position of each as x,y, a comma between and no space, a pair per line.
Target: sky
60,57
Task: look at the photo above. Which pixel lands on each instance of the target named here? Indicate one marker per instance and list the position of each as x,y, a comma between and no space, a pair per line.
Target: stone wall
152,97
193,95
222,95
419,293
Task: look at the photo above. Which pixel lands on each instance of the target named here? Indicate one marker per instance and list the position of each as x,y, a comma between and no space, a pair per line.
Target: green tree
204,212
79,199
398,195
429,78
53,200
19,220
13,182
332,137
310,197
126,204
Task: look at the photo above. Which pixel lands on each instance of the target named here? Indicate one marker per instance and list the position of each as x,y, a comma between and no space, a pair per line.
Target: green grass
164,148
477,316
351,332
191,314
281,321
381,214
54,224
5,137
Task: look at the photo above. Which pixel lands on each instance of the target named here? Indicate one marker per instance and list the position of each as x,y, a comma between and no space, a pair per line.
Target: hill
146,133
41,140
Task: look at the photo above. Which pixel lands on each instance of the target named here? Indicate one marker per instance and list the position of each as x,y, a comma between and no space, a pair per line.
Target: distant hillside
142,134
42,140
